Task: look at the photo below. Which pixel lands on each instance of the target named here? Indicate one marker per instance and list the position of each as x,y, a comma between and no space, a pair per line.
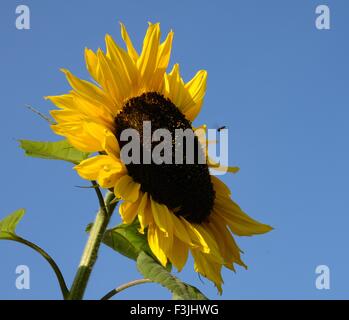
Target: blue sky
278,83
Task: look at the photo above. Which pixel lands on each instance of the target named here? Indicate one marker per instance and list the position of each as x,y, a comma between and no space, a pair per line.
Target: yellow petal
65,115
214,253
227,245
187,97
65,101
109,79
181,231
111,145
220,187
102,168
196,237
127,189
88,90
157,243
238,221
174,87
128,211
145,216
147,61
207,268
162,217
164,54
78,136
217,166
178,255
130,48
73,103
202,240
124,69
97,132
197,89
92,64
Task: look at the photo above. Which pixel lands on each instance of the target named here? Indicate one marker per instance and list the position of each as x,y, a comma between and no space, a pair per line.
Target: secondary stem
90,253
125,286
47,257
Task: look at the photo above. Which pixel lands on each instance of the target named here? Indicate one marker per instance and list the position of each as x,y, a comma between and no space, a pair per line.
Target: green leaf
127,240
152,270
8,225
59,150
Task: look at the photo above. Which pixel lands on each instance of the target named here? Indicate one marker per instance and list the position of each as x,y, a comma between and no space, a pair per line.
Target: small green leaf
8,225
59,150
127,240
152,270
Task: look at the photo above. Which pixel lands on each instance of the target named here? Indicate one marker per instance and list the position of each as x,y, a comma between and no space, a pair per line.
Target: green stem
47,257
125,286
90,253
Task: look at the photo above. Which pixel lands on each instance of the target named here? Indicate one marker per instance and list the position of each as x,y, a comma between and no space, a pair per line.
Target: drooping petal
202,240
227,245
214,252
178,255
162,218
158,243
237,220
145,215
181,231
209,269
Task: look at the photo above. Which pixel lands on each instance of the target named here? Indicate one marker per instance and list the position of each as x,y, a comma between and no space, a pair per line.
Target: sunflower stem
89,256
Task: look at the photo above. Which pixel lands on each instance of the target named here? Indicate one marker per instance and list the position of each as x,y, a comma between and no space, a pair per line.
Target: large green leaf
152,270
59,150
8,225
127,240
8,232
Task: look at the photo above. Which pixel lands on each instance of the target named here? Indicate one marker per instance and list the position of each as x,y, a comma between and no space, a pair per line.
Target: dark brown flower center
185,188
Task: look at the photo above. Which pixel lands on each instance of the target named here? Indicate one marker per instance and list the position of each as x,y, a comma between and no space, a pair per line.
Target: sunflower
181,208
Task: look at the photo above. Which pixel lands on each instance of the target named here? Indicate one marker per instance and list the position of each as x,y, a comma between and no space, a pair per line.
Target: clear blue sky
278,83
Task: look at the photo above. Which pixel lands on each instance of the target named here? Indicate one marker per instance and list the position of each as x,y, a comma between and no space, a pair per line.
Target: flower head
181,207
